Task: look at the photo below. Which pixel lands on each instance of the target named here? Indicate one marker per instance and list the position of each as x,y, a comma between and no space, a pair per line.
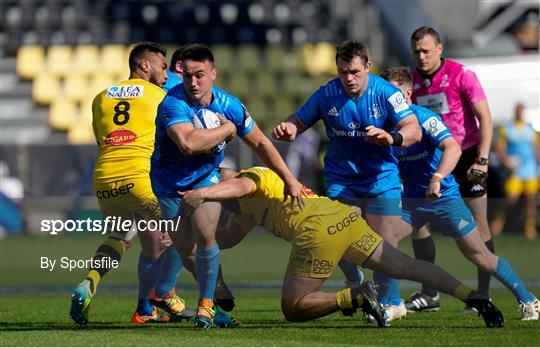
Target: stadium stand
73,49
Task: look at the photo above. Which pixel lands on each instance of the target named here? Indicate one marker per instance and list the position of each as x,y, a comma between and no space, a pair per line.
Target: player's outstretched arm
270,156
192,141
410,130
450,157
229,189
289,129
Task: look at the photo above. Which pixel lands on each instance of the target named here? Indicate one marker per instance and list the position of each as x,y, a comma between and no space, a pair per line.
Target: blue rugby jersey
418,163
171,169
172,81
350,159
521,146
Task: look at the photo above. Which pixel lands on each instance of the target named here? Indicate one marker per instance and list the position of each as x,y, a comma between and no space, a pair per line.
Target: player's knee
480,259
290,310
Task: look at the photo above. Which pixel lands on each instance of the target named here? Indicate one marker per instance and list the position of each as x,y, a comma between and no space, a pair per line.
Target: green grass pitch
34,303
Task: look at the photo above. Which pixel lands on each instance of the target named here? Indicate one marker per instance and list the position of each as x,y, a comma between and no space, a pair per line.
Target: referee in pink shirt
454,92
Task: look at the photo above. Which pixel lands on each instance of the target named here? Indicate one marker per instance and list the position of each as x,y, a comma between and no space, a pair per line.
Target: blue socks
388,289
207,267
149,272
506,275
170,270
351,271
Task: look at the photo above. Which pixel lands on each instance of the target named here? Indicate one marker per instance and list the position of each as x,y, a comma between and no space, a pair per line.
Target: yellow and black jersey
264,206
124,126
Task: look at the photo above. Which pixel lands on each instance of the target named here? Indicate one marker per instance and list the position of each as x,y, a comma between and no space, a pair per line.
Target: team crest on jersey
416,86
127,91
434,126
375,111
120,137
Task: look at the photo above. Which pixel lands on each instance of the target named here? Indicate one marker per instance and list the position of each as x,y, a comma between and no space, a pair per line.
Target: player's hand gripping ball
205,118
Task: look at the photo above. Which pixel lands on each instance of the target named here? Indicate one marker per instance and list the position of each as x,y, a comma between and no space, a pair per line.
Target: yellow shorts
131,199
515,186
322,241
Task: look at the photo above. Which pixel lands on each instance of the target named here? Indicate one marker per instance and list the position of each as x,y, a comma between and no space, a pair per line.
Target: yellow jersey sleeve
124,118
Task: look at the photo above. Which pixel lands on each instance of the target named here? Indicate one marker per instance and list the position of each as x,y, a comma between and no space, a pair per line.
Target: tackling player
454,92
323,233
123,123
359,166
181,161
431,195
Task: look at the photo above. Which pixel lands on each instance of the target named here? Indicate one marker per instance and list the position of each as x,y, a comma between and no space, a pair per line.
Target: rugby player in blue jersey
175,70
181,162
359,165
431,195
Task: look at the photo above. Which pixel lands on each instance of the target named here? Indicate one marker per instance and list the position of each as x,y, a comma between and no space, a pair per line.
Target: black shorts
467,188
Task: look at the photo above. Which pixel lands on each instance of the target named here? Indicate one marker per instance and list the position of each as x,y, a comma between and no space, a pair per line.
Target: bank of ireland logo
401,151
354,125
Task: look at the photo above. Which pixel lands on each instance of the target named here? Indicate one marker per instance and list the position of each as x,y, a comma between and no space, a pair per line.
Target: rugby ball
205,118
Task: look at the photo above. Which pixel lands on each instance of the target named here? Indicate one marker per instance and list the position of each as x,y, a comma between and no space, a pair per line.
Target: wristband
397,137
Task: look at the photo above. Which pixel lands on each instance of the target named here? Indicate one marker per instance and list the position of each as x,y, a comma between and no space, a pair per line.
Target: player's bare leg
497,225
388,227
476,251
388,260
301,300
530,216
478,207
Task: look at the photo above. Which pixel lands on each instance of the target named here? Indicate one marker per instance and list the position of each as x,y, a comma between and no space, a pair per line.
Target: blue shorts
171,205
449,215
387,203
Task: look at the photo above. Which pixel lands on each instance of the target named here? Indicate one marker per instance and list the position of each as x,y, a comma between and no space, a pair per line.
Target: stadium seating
45,88
59,59
75,87
270,80
86,59
62,114
30,61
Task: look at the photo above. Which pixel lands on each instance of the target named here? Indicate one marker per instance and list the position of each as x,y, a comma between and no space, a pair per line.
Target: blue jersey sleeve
434,128
395,104
237,113
173,110
310,112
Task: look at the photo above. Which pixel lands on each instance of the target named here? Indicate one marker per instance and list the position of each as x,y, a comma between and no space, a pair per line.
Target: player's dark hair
400,74
176,57
138,52
349,49
198,53
423,31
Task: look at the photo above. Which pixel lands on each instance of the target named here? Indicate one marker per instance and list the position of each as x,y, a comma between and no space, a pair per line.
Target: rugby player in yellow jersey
124,127
323,233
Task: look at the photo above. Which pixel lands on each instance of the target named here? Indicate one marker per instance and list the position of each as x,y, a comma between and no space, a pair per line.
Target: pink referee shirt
453,91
